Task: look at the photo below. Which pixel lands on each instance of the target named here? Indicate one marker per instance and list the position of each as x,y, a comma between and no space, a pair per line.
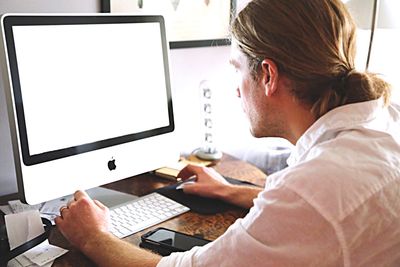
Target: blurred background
378,48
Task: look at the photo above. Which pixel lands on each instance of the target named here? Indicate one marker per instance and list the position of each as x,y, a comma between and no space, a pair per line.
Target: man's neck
299,119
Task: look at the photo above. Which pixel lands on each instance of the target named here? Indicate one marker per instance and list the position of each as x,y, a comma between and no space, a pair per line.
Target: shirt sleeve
281,229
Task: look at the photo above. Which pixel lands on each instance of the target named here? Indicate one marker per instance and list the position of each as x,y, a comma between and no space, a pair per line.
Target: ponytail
351,87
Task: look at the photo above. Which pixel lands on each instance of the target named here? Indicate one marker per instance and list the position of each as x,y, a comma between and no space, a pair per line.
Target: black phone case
158,248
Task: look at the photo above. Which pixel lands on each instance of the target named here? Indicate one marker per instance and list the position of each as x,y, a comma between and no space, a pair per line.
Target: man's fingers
62,209
80,194
184,173
189,188
188,171
99,204
58,220
70,201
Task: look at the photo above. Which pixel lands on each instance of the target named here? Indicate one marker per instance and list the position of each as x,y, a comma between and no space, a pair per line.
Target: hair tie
341,80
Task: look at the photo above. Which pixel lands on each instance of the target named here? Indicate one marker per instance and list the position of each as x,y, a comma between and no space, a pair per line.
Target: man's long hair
313,43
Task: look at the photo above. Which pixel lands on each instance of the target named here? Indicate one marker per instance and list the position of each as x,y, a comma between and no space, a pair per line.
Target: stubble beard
269,125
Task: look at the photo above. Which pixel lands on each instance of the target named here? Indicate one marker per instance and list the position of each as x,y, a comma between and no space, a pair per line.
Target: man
338,201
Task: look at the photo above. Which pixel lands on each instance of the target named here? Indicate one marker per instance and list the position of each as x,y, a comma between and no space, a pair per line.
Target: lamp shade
388,14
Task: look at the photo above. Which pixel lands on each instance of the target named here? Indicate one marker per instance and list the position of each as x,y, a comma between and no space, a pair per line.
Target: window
385,48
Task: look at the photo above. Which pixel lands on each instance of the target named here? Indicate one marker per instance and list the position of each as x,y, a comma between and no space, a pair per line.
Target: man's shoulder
334,190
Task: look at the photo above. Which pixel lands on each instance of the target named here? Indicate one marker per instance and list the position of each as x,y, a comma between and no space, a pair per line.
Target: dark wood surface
207,226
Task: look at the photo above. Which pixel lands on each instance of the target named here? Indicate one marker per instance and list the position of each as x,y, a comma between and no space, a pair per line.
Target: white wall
37,6
232,135
385,55
188,68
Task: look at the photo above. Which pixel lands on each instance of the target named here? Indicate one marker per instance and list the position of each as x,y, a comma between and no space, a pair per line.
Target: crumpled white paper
22,227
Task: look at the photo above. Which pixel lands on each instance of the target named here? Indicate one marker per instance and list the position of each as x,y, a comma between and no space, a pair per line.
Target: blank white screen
85,83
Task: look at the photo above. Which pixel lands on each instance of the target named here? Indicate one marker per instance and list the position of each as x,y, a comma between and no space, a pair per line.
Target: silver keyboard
142,213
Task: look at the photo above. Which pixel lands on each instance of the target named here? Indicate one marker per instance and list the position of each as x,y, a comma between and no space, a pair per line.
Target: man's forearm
238,195
107,250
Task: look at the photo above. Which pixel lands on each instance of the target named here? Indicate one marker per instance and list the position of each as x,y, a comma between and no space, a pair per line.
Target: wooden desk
208,226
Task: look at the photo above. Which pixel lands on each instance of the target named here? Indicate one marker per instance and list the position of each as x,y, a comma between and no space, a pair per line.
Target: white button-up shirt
337,204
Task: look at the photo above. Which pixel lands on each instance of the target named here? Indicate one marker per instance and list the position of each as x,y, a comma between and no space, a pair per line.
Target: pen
190,179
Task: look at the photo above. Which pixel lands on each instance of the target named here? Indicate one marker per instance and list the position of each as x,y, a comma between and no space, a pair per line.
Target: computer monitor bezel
17,20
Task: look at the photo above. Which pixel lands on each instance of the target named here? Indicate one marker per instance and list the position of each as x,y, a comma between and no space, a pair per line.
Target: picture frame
189,23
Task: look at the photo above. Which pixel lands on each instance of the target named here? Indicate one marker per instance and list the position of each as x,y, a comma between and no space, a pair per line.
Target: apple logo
111,164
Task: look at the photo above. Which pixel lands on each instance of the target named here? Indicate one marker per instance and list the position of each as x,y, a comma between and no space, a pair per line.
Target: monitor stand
109,197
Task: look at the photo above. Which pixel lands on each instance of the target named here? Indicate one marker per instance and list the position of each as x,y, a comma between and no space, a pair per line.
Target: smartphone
166,241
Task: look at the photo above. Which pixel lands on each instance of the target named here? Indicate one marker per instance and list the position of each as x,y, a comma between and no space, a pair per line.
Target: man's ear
269,76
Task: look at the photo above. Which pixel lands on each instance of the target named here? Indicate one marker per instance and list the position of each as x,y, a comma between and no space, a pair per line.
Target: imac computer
85,101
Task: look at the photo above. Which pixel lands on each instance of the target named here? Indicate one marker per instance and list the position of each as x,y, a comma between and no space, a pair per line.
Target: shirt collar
328,126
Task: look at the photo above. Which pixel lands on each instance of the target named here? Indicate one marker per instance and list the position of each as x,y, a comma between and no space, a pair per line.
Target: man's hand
82,220
85,224
209,183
